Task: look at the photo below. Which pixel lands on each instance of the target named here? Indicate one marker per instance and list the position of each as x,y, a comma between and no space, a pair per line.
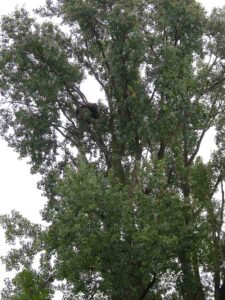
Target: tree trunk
191,285
198,283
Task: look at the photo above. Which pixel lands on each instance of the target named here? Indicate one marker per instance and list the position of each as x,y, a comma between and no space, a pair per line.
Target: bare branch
149,286
222,207
215,186
207,125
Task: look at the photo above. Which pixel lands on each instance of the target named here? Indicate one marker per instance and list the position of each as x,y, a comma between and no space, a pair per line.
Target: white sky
17,186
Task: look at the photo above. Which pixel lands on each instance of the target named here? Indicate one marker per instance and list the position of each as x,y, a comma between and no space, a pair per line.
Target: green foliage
100,228
133,211
27,285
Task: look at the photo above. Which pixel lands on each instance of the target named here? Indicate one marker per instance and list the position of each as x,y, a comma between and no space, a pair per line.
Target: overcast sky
17,186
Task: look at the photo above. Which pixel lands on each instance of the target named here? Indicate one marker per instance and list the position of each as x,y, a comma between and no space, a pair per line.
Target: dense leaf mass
134,212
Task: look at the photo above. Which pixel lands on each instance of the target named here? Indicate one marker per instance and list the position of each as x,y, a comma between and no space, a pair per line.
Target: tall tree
133,211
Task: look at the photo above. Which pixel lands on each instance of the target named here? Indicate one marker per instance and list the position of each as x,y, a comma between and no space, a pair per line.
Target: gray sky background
18,189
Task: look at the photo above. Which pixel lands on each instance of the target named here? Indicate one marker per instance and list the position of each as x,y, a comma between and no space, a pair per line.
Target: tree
133,210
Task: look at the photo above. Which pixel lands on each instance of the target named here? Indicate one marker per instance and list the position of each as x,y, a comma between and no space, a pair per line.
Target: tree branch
215,186
149,286
208,122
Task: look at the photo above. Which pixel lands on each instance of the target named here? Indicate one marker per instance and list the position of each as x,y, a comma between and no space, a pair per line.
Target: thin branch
100,143
55,72
207,125
222,208
211,87
198,145
216,186
154,52
152,95
215,84
149,286
96,36
89,66
210,67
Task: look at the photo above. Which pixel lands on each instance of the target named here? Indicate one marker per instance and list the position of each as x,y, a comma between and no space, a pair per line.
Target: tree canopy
134,212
